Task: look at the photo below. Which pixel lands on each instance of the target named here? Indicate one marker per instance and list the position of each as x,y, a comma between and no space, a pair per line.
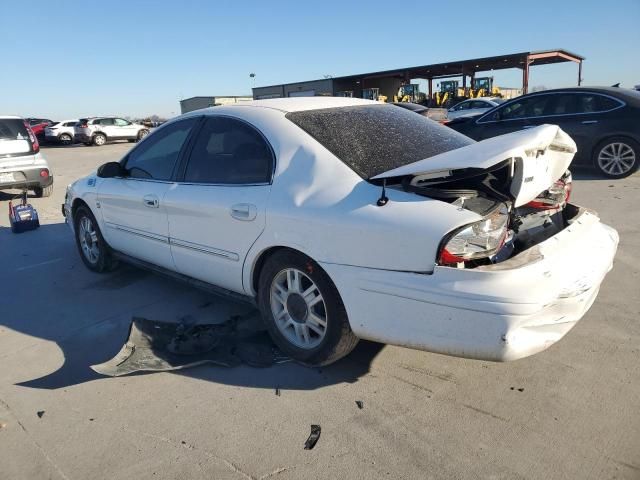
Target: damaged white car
345,219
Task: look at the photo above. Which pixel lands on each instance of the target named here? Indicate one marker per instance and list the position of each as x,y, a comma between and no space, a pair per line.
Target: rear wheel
303,310
99,139
65,139
94,251
617,157
43,191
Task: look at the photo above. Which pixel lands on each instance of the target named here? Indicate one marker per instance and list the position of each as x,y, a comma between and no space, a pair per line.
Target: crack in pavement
35,443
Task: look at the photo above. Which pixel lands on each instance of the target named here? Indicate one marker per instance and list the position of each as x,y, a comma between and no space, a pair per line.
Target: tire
99,259
99,139
43,191
65,139
617,157
287,320
142,134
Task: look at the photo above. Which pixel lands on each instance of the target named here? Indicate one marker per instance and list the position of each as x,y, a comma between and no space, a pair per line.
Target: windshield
372,139
13,129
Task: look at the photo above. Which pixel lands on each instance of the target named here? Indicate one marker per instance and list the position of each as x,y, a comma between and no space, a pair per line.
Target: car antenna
383,200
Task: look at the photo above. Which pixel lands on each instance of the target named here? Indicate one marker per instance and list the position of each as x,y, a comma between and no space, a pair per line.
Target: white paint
319,206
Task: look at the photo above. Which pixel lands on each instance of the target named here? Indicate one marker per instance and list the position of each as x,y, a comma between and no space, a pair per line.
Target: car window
480,104
13,129
119,122
605,103
105,121
228,151
562,104
525,107
372,139
157,155
462,106
70,124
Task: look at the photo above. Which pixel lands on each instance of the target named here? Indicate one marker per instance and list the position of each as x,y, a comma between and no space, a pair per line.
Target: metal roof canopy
464,68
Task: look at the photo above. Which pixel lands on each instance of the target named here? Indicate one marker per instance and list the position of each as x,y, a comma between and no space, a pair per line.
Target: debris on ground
2,425
154,346
360,404
519,389
277,391
40,413
313,437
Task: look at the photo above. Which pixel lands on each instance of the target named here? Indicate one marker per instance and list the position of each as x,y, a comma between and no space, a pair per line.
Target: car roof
13,117
299,104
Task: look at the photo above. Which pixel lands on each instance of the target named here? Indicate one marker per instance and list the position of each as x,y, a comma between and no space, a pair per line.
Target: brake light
478,240
35,146
555,197
44,173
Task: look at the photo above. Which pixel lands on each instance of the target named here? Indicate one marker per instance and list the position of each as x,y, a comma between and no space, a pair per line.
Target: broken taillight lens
478,240
555,197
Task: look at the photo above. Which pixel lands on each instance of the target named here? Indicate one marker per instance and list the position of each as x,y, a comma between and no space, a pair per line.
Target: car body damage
476,250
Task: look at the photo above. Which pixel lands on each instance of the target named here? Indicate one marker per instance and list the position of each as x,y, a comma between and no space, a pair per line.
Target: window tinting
13,129
372,139
605,103
157,155
525,108
105,121
229,151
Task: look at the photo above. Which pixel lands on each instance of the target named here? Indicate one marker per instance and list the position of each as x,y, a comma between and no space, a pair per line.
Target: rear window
13,129
372,139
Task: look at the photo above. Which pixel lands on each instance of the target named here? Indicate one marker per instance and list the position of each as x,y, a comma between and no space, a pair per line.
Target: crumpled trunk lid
537,156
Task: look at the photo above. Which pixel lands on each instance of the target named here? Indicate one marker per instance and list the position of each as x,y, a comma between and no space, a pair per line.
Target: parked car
603,121
61,132
473,106
38,125
100,130
437,114
22,165
345,218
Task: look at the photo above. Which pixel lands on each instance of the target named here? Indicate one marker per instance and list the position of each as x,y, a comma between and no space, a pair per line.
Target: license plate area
7,177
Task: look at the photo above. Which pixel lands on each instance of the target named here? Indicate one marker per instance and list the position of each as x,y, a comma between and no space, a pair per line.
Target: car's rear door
133,207
217,209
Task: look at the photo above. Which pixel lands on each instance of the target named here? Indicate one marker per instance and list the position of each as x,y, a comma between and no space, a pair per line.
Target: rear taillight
44,173
556,197
478,240
35,146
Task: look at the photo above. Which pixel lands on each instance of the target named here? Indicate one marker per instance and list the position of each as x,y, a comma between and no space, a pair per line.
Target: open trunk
518,183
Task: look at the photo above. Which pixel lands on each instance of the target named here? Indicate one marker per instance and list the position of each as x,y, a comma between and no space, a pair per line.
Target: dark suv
603,121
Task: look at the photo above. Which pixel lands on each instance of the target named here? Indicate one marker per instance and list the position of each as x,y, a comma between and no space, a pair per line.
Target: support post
525,76
430,88
579,72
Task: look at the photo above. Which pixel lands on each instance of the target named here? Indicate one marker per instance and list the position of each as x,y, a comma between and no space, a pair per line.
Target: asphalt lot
569,412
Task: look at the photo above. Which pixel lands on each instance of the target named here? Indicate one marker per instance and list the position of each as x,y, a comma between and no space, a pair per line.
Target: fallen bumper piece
160,346
313,437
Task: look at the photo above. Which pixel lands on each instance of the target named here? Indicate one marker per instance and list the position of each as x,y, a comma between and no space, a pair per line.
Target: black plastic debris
313,437
40,413
360,404
154,346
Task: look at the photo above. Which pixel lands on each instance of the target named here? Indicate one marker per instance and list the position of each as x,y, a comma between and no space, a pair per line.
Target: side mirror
111,170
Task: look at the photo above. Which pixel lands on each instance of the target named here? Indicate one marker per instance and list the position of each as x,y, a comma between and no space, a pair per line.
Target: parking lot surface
569,412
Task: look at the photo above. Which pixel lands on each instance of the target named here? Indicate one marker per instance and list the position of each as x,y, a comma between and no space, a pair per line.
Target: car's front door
217,209
521,113
133,211
106,126
124,129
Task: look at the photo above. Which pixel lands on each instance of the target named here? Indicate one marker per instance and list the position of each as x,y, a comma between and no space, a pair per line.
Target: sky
67,59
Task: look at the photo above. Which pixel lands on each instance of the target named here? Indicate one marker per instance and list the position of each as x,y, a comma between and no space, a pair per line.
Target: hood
539,156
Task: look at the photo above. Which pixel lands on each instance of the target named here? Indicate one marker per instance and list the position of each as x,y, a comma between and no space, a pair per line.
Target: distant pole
253,76
579,72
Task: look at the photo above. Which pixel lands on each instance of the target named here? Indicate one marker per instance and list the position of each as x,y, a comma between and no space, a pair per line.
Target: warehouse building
196,103
391,84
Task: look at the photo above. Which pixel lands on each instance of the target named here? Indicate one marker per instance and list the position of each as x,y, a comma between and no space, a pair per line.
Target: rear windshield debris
372,139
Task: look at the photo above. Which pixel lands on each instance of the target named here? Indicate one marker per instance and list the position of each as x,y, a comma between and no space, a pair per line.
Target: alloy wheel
298,308
89,240
616,158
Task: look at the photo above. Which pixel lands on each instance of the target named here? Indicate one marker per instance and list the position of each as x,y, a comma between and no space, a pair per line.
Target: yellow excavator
483,87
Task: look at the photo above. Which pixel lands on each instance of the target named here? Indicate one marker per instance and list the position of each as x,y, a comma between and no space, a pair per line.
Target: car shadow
87,316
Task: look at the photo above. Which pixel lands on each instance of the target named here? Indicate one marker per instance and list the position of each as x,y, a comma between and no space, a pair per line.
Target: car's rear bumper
28,177
82,137
500,312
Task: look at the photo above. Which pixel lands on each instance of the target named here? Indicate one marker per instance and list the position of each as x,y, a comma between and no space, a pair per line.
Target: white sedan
473,106
345,219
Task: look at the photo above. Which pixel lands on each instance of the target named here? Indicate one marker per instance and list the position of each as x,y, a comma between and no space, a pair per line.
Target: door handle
589,122
151,201
244,211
